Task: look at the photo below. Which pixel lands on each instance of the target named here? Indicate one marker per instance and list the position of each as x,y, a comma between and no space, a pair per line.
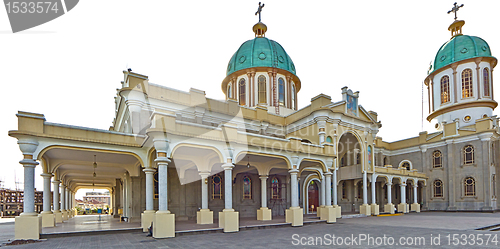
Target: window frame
213,183
434,194
486,82
261,89
471,161
468,192
281,91
467,83
275,188
242,94
437,157
445,89
249,195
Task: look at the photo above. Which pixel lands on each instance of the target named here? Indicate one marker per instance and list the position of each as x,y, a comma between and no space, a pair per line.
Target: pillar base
28,226
163,225
375,209
264,213
415,207
365,209
329,213
64,215
389,208
146,219
403,208
205,216
58,216
318,210
338,210
48,219
229,220
295,215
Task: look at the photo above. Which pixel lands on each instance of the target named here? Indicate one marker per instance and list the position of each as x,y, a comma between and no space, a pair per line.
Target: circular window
443,58
485,115
467,118
464,50
293,67
484,48
262,56
281,59
242,59
229,66
469,181
216,179
436,126
437,183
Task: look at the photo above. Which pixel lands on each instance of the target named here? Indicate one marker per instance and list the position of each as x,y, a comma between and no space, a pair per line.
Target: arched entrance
312,196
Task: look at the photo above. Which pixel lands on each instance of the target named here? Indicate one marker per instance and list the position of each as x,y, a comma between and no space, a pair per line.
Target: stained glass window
242,92
486,81
344,190
275,188
216,187
445,89
438,188
358,158
262,89
437,159
470,186
281,91
467,83
155,179
247,187
468,154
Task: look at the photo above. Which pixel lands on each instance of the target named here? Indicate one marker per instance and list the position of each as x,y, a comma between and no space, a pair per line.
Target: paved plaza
379,232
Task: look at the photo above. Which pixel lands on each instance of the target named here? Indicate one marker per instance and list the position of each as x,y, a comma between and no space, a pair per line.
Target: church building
172,155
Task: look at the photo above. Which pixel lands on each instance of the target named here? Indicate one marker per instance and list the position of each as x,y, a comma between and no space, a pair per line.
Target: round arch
305,190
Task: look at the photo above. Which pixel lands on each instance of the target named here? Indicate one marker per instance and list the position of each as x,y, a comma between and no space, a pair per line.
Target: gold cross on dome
455,9
259,10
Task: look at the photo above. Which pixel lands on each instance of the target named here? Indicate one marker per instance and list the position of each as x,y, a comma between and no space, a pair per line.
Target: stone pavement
410,228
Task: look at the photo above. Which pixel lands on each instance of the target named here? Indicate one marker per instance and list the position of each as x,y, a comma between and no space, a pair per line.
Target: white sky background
68,69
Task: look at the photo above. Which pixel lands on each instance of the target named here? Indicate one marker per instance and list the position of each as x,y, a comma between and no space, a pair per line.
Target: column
63,203
125,199
389,207
46,192
365,208
322,197
56,206
228,218
263,213
328,213
148,215
374,207
164,221
27,225
403,207
294,214
415,206
68,206
328,192
204,216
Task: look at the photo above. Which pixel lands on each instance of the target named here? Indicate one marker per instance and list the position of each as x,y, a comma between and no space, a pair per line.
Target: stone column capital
293,171
204,174
389,184
56,181
149,170
228,166
263,177
46,175
162,160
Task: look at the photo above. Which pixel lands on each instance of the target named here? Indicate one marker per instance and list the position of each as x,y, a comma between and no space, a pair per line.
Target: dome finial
456,26
260,28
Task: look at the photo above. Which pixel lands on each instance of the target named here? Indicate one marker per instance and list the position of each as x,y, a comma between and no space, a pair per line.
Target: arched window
406,165
468,154
438,188
155,180
281,91
262,89
437,159
358,158
216,187
329,139
494,186
275,188
229,91
243,95
445,89
385,160
293,96
467,83
247,187
343,161
486,81
469,186
360,190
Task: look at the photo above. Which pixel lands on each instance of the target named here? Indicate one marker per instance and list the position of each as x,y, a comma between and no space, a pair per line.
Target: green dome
260,52
459,48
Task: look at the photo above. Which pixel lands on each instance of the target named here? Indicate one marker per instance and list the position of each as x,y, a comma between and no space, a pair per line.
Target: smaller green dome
260,52
459,48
